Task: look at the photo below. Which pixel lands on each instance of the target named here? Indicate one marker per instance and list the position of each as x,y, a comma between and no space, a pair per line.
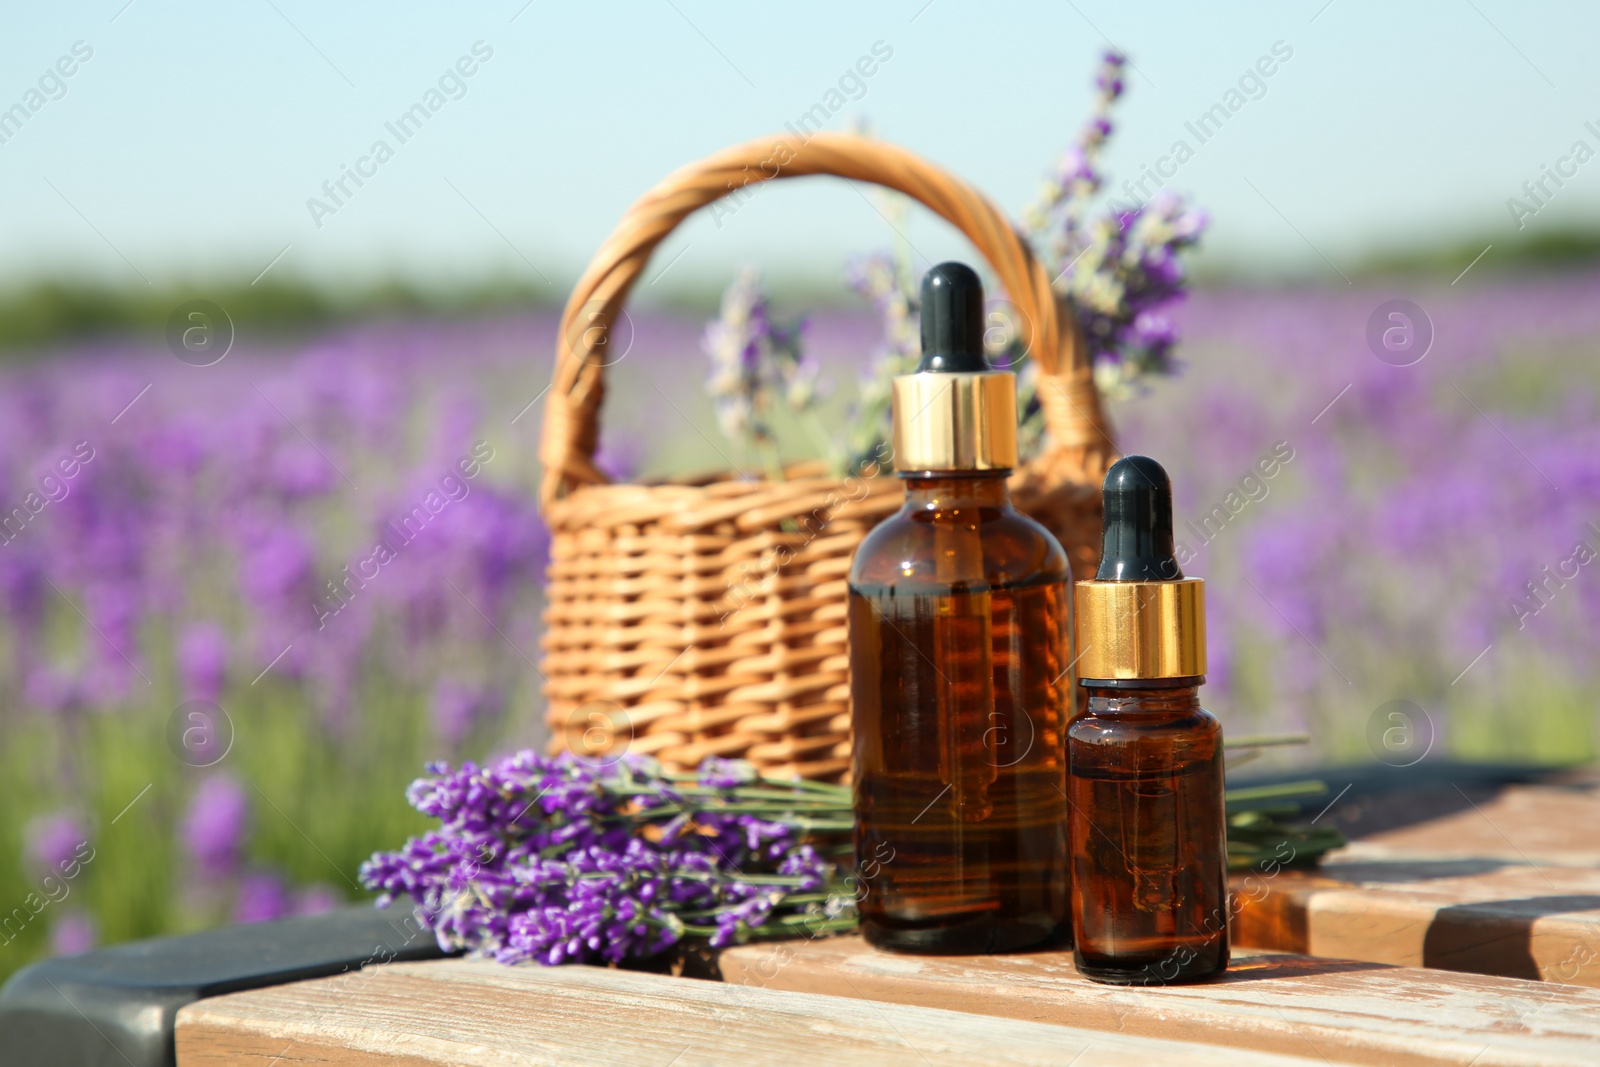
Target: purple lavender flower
72,934
318,899
1062,200
1117,270
202,661
261,897
457,708
559,859
22,584
277,565
214,828
727,773
753,358
734,924
1109,77
53,840
50,689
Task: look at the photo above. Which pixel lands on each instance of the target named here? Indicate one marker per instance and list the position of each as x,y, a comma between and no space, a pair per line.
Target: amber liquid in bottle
959,624
1148,840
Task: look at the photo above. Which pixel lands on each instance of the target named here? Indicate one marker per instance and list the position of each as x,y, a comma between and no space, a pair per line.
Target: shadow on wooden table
1366,799
1497,937
1275,968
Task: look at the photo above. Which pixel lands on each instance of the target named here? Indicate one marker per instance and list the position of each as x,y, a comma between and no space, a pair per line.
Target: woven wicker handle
571,425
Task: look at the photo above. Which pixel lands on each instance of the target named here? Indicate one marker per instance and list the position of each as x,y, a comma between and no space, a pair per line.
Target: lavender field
244,603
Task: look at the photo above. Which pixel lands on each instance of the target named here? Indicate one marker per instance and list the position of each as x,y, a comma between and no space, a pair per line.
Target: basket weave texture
693,620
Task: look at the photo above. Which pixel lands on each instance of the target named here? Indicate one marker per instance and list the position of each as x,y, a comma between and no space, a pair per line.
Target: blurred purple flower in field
1400,543
316,899
53,840
202,661
51,689
216,824
457,708
188,550
619,456
261,898
72,934
275,569
298,471
22,585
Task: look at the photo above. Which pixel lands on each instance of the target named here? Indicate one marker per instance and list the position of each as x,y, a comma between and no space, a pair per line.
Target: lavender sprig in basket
567,860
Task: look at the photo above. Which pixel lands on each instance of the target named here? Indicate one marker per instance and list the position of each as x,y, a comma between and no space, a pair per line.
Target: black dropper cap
952,321
1137,545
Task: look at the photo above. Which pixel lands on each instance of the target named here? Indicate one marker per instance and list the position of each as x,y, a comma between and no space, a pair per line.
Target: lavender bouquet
1115,262
564,859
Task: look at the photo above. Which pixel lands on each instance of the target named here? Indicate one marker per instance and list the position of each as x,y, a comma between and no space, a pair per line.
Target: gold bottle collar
955,422
1129,630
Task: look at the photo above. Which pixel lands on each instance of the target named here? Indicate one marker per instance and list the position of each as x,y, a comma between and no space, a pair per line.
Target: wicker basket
708,619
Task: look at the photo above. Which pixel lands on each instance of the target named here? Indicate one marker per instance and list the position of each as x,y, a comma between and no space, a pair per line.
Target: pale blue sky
193,137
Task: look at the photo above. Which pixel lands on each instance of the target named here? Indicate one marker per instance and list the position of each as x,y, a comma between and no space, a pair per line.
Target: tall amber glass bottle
1149,851
959,616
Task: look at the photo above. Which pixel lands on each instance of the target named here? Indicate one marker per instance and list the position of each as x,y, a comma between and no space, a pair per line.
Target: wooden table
836,1000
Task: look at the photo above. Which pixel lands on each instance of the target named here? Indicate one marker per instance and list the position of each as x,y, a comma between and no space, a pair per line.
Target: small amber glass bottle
1149,850
959,615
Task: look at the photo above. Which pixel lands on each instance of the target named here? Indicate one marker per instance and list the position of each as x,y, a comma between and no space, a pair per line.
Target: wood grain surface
470,1013
1338,1011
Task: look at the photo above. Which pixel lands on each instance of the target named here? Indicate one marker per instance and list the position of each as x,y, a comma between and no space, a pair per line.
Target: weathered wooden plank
1479,916
472,1013
1335,1009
